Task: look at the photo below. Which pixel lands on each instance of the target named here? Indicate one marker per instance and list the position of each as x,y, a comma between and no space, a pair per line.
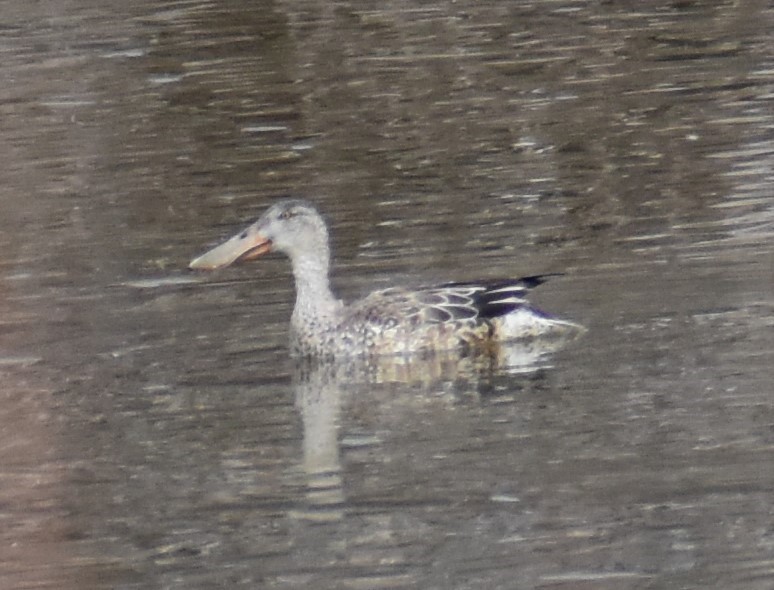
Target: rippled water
154,434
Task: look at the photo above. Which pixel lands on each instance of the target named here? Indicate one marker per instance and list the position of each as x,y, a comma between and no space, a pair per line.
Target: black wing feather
498,298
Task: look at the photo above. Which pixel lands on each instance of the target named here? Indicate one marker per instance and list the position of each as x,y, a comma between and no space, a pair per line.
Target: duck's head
292,226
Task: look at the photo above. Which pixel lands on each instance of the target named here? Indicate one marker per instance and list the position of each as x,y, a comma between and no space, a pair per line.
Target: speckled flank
378,329
467,318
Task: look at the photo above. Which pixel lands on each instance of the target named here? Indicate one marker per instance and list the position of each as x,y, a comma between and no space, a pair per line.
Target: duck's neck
316,307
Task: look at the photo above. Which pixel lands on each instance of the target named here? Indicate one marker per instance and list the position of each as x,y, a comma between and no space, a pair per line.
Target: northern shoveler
469,318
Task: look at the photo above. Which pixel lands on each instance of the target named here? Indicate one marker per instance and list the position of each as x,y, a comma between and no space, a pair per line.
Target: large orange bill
244,246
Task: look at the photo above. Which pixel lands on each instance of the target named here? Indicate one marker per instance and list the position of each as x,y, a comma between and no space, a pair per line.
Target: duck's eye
287,214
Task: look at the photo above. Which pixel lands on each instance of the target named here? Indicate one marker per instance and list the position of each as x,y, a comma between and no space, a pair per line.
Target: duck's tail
505,304
528,322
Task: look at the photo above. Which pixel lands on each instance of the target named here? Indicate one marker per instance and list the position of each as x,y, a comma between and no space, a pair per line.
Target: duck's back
409,321
463,317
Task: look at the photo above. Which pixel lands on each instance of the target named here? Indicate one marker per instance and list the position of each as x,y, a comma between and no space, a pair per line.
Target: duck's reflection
321,388
318,398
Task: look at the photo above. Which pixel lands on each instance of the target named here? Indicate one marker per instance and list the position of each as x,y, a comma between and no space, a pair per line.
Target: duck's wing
465,303
492,299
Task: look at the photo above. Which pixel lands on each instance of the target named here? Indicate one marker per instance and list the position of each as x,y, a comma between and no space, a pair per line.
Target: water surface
154,433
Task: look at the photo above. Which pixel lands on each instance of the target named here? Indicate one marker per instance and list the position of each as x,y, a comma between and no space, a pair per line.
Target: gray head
290,226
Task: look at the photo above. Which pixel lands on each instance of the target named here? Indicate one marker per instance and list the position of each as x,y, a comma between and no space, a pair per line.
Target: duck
465,318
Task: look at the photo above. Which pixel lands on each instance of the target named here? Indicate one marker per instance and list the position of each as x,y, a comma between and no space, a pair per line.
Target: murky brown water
153,433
